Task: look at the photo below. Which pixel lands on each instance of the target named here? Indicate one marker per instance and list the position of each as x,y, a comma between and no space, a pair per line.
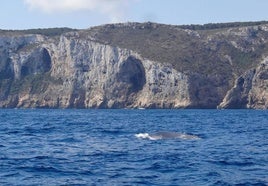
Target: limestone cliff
135,65
68,72
250,90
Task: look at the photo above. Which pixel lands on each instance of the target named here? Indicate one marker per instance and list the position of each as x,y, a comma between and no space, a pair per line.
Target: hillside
136,65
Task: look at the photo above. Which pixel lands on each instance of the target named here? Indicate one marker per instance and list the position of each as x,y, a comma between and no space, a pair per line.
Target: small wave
40,168
166,135
113,132
235,163
41,157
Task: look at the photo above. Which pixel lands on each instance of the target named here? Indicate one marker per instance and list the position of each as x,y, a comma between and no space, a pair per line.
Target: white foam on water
167,135
146,136
142,135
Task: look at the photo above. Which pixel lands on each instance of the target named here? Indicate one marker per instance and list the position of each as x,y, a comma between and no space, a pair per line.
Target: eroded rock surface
111,67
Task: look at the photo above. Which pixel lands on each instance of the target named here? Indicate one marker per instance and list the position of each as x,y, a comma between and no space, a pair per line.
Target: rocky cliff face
250,90
225,68
67,72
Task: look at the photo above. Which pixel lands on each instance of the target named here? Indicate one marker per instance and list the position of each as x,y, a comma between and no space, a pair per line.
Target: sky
82,14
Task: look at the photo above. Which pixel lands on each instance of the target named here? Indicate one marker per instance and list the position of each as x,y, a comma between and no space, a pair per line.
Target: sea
105,147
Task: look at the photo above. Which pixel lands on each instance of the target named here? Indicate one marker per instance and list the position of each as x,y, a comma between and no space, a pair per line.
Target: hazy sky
24,14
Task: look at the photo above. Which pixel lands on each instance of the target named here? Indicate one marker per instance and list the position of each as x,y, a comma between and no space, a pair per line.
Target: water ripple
99,147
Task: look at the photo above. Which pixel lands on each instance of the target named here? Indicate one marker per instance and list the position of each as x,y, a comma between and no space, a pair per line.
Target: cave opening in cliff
132,72
46,60
38,62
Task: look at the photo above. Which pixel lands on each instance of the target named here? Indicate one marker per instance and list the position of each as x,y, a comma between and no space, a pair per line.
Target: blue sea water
99,147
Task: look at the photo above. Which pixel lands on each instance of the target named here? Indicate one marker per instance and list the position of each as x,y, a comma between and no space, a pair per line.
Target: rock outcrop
250,90
110,67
